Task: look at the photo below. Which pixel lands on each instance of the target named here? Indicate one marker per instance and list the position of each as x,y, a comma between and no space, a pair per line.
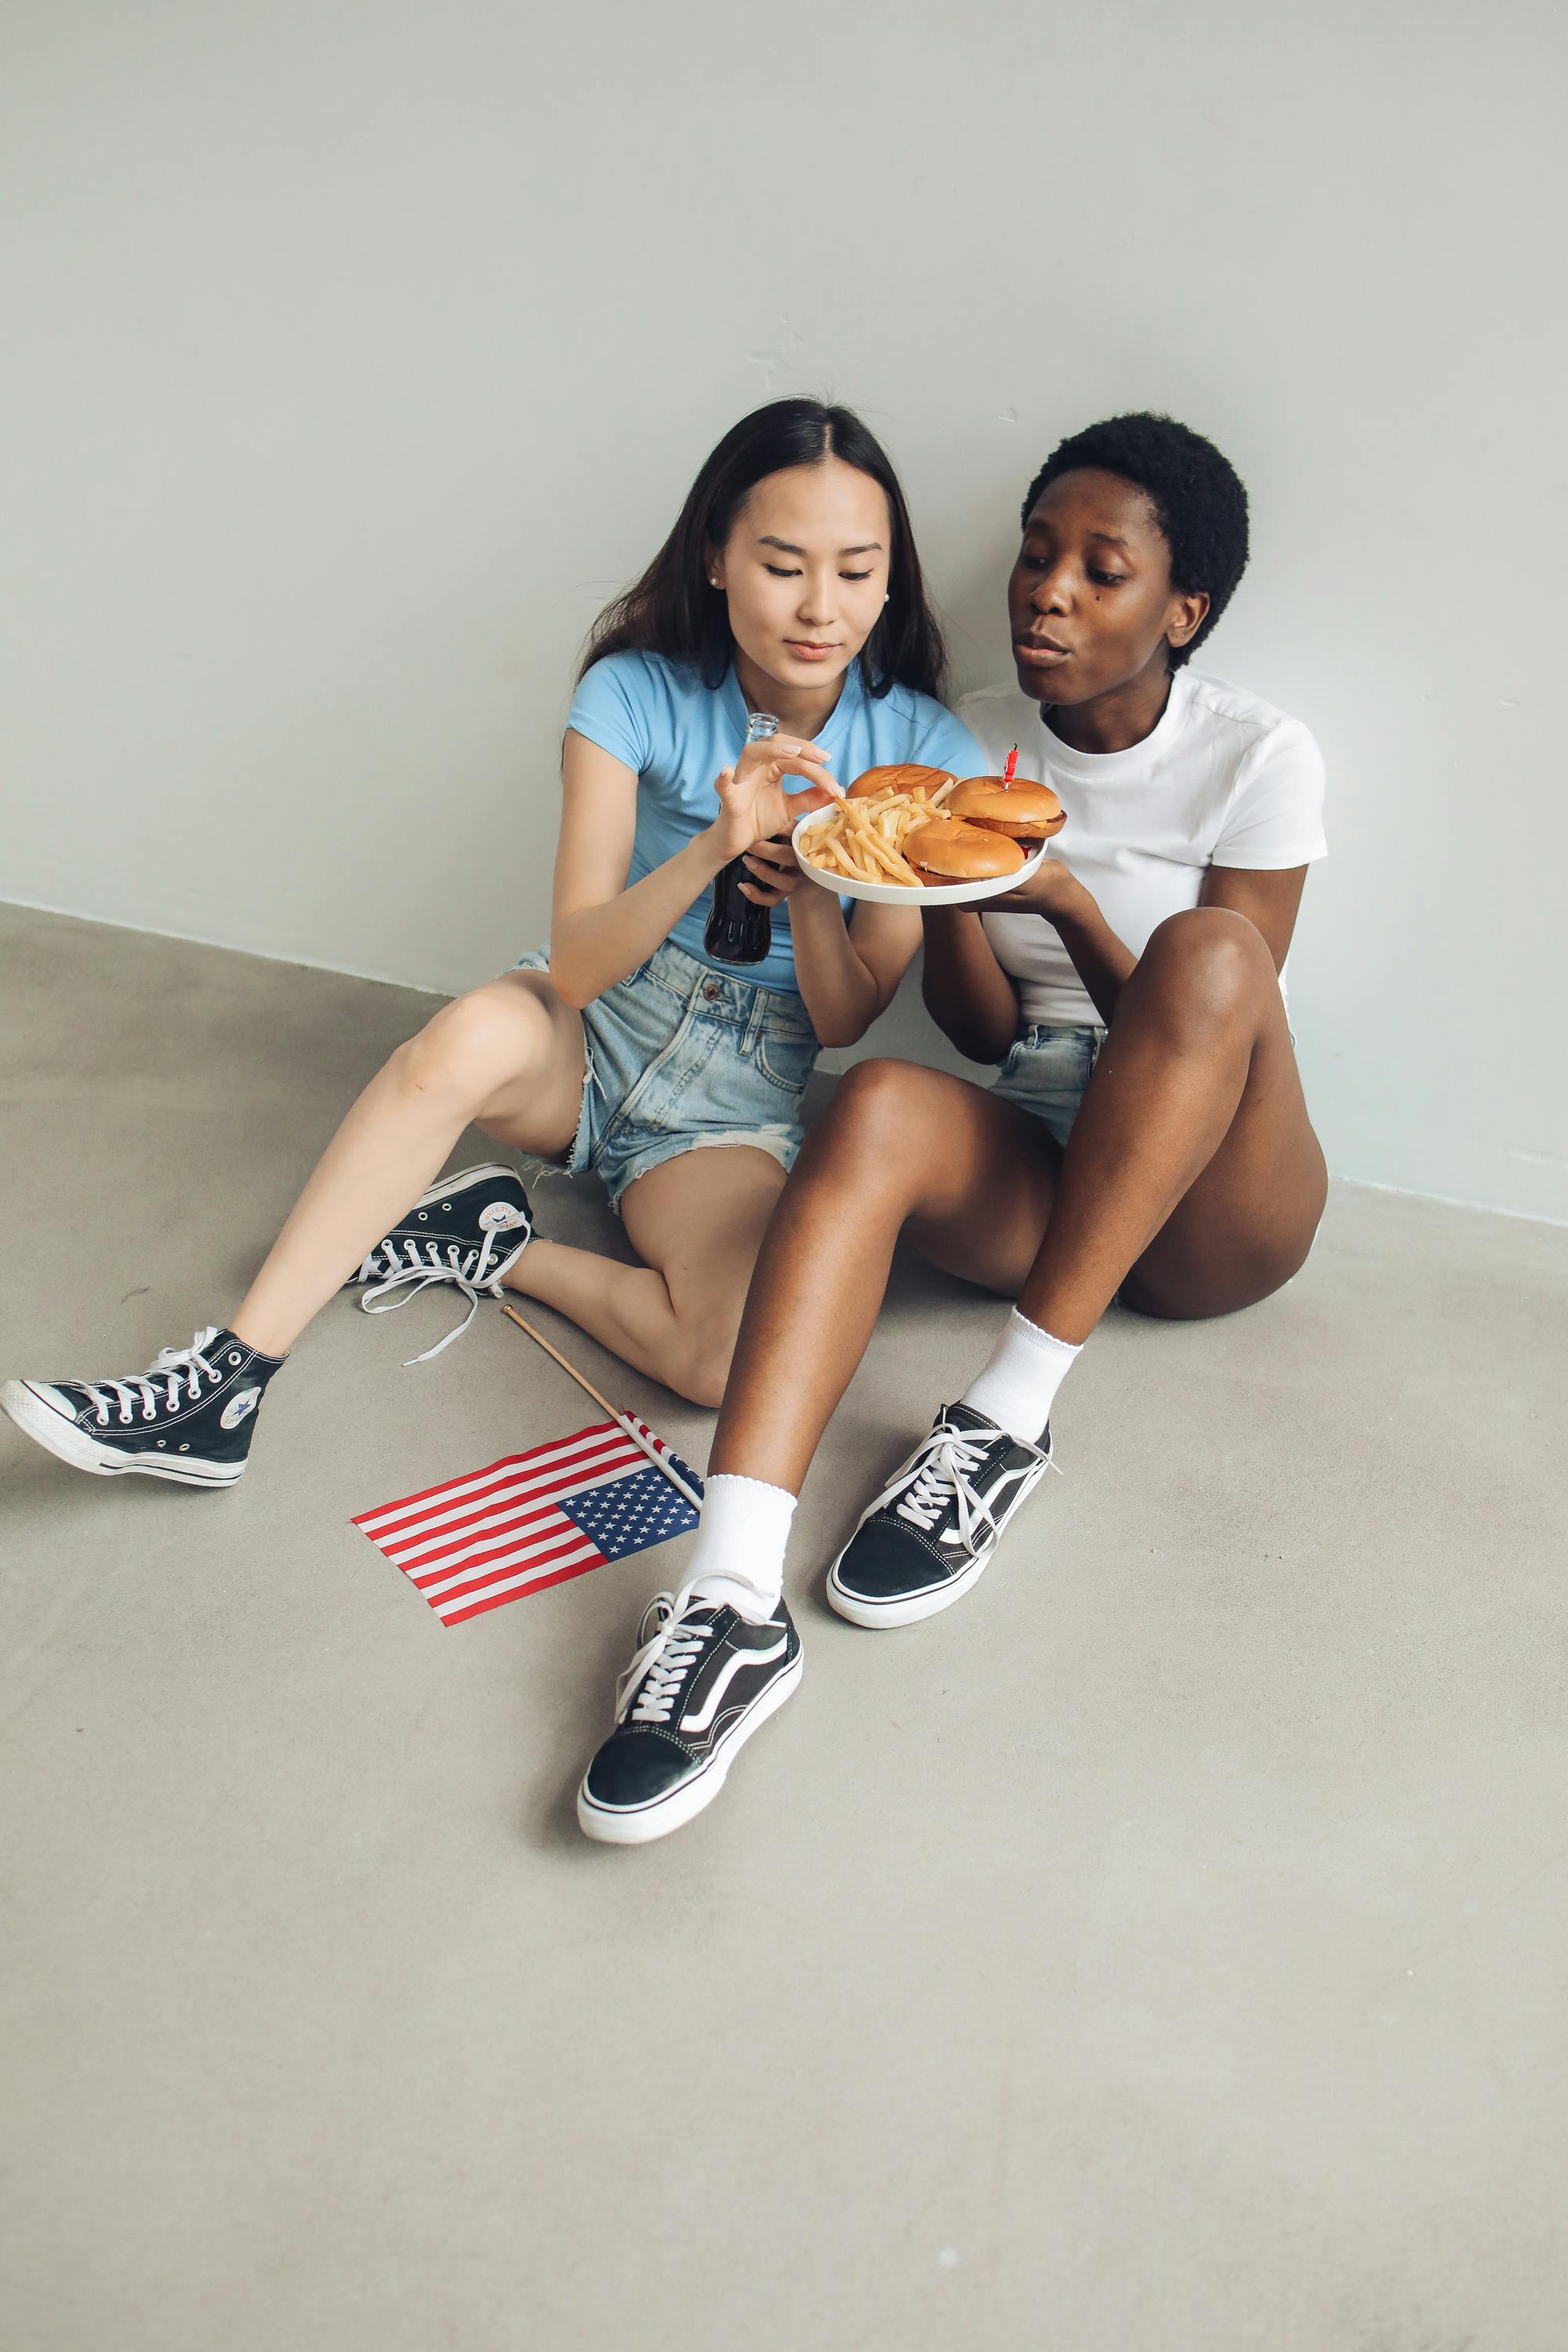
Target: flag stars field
532,1519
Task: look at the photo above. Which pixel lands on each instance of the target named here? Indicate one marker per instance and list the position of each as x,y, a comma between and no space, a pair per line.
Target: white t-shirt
1224,779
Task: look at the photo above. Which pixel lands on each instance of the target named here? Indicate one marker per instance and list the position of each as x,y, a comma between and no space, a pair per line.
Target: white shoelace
421,1263
939,1475
174,1366
662,1664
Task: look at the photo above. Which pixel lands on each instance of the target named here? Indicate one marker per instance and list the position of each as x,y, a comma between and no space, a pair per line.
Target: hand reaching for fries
752,801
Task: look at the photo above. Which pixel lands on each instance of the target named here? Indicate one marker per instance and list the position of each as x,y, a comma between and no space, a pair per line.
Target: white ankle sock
1018,1386
737,1558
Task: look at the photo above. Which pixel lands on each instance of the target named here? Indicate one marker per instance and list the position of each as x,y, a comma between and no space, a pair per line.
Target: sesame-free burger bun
951,852
903,776
1025,812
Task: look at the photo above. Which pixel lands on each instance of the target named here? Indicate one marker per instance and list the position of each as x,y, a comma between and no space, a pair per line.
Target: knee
702,1368
1208,966
473,1045
872,1101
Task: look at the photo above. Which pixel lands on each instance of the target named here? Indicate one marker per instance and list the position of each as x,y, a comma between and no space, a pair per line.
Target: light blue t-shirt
676,734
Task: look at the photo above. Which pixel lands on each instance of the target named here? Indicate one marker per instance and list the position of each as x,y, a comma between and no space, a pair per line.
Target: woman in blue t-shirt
790,584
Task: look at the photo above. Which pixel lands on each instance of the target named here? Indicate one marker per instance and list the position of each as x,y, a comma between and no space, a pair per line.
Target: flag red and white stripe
531,1520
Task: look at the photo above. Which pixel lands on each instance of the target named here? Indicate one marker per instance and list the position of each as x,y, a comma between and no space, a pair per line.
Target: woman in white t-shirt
1147,1139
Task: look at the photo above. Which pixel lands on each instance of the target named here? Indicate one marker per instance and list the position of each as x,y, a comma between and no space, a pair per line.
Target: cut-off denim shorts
680,1057
1046,1072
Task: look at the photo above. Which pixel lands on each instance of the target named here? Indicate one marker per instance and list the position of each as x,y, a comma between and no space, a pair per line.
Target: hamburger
949,850
1023,810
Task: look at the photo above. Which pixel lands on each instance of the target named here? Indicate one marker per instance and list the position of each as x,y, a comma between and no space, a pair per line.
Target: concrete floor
1163,1952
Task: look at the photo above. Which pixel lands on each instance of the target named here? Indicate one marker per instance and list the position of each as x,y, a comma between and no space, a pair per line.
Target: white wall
354,353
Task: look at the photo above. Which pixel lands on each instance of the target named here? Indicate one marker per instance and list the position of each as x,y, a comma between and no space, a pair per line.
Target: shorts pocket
786,1059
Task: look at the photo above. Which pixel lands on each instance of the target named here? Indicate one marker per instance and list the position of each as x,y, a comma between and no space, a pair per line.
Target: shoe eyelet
424,1216
184,1449
446,1208
163,1441
234,1359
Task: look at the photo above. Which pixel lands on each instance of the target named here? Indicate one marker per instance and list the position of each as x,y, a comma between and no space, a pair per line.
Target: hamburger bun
947,851
1023,810
903,776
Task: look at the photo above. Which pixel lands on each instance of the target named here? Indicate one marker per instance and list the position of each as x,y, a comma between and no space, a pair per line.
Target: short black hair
1199,501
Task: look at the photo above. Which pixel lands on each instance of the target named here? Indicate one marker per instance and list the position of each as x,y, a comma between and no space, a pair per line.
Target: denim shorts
1046,1072
680,1057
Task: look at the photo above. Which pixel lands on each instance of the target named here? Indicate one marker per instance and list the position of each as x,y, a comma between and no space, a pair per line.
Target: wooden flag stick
620,1419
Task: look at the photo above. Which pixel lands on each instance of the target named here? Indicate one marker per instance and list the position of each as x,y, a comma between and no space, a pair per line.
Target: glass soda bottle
738,931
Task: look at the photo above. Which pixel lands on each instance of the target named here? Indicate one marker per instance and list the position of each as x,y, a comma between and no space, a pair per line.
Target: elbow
846,1027
975,1045
570,986
981,1040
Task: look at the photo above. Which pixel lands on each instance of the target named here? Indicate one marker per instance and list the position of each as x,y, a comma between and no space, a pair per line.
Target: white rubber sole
918,1605
672,1813
910,1611
69,1444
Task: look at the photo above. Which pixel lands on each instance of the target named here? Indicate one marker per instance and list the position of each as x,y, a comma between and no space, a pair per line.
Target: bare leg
698,1223
1192,1182
509,1056
972,1176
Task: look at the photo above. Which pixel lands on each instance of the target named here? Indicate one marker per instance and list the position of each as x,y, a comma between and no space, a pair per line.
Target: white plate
905,894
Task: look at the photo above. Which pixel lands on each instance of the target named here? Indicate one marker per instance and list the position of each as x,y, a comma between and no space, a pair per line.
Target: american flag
532,1519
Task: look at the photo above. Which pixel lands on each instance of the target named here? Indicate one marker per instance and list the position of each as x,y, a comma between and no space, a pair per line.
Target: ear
714,565
1184,617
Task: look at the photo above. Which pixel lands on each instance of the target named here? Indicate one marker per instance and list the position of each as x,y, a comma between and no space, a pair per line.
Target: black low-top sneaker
469,1230
927,1537
704,1679
187,1417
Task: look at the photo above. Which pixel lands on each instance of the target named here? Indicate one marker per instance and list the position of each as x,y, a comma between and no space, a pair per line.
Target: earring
888,599
712,582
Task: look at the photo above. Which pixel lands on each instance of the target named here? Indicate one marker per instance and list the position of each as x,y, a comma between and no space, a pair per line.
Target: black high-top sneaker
703,1680
469,1230
927,1537
187,1417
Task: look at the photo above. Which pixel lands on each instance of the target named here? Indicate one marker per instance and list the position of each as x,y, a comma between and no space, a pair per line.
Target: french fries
864,839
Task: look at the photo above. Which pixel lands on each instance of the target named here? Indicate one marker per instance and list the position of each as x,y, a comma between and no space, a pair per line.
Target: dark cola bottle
738,931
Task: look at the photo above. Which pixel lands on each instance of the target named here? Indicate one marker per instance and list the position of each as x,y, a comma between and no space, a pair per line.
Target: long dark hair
673,610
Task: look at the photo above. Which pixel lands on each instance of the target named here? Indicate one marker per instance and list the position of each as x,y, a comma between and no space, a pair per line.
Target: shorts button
711,990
